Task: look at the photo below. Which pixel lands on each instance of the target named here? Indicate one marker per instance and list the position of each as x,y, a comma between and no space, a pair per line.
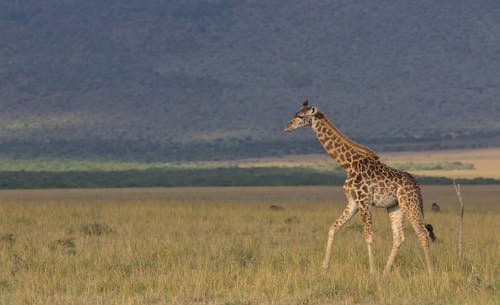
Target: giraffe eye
300,116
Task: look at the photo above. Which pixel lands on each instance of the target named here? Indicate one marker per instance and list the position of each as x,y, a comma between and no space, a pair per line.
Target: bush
95,229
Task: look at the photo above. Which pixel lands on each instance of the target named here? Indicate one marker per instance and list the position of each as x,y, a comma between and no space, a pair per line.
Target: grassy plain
473,163
480,166
225,246
485,161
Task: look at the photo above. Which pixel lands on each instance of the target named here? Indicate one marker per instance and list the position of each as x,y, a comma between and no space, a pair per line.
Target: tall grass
225,246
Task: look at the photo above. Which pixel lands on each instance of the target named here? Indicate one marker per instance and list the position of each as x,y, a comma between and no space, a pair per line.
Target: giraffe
369,182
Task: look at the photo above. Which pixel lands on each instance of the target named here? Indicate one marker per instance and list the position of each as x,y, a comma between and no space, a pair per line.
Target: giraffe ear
314,110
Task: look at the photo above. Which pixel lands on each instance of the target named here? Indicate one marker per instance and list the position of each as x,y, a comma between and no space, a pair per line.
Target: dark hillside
218,79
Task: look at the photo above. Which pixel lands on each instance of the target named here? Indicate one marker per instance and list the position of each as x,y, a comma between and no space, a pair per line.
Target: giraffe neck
337,145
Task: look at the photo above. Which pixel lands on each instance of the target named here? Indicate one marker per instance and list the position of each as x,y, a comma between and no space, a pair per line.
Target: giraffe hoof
387,271
325,265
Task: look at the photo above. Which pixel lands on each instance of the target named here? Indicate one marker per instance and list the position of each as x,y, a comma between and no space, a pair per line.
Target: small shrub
95,229
292,219
67,245
7,239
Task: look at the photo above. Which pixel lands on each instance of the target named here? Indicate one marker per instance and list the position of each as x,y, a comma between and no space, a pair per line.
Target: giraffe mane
360,148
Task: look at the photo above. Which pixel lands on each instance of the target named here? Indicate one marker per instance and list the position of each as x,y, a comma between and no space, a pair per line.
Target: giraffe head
304,117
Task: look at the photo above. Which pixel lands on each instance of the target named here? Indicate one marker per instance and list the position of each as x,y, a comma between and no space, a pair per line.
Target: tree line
268,176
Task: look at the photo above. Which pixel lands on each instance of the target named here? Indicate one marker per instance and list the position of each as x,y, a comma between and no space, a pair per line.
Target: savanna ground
226,246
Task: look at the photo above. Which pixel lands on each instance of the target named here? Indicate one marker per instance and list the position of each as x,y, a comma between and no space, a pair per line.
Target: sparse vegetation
446,165
225,246
69,173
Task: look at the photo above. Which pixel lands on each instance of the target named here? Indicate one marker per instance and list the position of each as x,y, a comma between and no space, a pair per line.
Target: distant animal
369,183
435,207
276,208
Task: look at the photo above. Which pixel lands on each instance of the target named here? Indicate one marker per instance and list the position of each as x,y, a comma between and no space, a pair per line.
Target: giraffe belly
384,201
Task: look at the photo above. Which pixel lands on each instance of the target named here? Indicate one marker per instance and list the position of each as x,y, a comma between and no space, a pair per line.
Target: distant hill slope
186,79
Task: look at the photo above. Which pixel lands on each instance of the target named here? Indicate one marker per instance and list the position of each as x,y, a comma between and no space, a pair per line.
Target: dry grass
225,246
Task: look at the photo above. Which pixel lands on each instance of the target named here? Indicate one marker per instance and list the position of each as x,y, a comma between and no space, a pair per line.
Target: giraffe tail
431,231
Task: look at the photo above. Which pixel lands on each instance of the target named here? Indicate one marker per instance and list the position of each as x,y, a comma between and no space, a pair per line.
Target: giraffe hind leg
366,217
410,204
397,220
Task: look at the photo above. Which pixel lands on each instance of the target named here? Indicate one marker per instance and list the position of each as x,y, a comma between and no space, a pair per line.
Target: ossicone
304,105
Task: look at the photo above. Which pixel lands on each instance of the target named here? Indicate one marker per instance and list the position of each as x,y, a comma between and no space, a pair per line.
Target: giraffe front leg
347,214
366,217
